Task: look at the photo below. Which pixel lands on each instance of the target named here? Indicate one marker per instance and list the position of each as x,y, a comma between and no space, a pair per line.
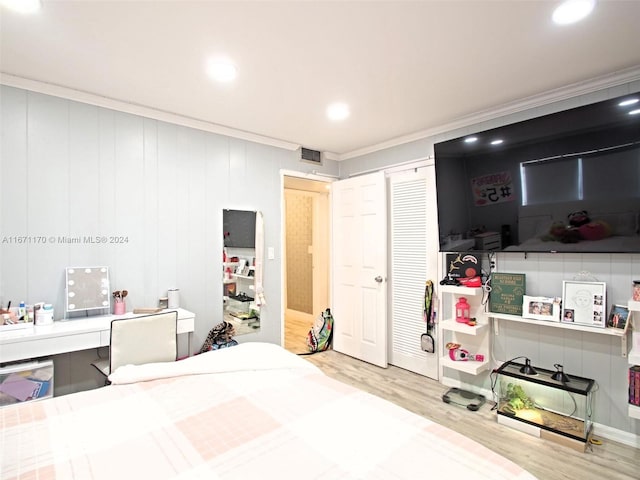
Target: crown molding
142,110
580,88
576,89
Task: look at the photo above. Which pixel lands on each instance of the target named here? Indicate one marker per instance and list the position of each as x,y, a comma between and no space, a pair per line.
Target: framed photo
584,303
229,289
618,317
541,308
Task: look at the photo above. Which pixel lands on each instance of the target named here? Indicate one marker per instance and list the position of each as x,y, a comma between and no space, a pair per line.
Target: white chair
139,340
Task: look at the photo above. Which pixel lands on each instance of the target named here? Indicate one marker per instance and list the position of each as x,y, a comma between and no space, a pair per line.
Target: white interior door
359,267
413,252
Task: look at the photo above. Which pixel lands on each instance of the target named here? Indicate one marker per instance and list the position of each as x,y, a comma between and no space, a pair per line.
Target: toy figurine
460,354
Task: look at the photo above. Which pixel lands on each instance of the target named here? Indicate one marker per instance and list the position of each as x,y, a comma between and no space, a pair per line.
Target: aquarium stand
557,410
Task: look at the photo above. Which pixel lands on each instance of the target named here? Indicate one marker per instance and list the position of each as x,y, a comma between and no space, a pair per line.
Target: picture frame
618,317
584,303
541,308
229,289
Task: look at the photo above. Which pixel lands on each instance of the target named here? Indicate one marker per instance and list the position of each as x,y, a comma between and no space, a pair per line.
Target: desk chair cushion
139,340
143,339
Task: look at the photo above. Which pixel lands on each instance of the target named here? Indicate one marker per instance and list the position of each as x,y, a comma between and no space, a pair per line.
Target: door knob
378,279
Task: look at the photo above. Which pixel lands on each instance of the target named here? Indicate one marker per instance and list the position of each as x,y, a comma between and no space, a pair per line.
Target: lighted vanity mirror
239,270
87,288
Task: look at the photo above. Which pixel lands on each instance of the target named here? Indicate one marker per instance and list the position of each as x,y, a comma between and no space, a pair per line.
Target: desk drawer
33,348
105,338
185,325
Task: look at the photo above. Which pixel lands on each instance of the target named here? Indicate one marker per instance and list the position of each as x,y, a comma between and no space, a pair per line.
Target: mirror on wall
239,270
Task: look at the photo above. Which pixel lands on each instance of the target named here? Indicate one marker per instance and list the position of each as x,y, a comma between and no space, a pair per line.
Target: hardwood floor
543,458
296,328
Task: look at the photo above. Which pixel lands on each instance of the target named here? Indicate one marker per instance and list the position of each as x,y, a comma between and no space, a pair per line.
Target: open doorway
305,257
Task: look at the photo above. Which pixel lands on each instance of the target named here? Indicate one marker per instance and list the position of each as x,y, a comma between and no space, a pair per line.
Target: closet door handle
378,279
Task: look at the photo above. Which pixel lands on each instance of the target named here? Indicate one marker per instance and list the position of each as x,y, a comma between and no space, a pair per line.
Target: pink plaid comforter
278,419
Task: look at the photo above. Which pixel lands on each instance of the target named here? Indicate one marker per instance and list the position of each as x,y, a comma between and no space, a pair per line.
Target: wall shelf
461,291
614,332
244,277
475,338
471,367
453,326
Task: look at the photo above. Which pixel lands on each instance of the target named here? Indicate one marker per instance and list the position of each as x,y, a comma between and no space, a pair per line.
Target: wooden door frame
283,264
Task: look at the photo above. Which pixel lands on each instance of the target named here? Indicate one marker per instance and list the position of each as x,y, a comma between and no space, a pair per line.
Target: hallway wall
299,237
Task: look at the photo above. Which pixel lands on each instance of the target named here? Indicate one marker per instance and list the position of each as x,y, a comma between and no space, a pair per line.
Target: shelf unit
242,314
475,339
614,332
634,354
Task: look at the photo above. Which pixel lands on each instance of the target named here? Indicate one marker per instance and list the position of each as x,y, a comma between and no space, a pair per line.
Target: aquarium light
527,369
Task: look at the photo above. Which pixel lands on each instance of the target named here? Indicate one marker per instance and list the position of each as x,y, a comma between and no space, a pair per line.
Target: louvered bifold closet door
409,240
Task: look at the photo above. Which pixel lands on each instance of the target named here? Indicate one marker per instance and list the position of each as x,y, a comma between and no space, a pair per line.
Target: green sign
507,290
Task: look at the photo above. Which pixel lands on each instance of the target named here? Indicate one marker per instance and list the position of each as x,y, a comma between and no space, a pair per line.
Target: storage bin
26,381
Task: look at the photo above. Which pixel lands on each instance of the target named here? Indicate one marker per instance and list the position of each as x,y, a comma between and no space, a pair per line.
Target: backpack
220,336
321,333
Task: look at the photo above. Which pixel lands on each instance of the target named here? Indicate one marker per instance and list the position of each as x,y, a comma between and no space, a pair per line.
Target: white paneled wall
69,169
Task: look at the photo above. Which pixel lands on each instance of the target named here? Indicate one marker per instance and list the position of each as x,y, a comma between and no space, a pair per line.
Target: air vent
313,156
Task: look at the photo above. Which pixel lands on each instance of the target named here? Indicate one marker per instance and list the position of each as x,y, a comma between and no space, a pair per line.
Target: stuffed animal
596,230
559,232
555,233
577,219
580,228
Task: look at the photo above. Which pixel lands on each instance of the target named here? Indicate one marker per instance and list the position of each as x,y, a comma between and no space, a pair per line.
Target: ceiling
403,67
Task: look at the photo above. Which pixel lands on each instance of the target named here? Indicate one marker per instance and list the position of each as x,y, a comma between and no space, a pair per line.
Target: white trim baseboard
620,436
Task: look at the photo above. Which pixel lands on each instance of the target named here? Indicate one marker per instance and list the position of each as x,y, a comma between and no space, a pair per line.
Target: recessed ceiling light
634,112
497,141
222,70
22,6
626,103
571,11
338,111
470,139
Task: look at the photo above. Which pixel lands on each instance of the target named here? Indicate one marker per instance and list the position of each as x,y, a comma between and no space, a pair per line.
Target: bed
622,221
250,411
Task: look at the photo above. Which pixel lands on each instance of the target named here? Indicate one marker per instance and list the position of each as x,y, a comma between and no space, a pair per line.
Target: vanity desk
64,336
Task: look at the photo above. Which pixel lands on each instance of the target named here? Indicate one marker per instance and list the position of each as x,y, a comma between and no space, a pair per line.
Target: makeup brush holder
119,308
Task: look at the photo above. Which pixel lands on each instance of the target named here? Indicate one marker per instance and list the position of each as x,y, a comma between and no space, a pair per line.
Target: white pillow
534,226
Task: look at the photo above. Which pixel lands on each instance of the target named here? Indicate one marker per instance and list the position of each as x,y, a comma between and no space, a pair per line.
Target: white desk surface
71,335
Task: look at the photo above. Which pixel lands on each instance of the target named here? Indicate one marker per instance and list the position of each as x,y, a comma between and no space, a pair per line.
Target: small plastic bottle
22,312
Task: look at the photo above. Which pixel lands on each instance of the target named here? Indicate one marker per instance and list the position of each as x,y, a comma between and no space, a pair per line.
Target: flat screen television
564,182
